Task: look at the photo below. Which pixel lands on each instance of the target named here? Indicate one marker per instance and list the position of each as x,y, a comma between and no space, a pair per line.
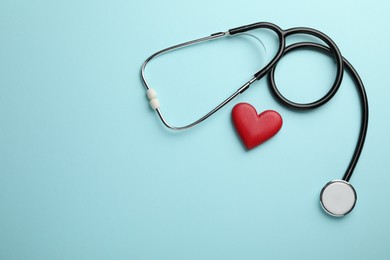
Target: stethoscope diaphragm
338,198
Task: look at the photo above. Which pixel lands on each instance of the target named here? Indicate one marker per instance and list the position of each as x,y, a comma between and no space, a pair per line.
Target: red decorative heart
255,129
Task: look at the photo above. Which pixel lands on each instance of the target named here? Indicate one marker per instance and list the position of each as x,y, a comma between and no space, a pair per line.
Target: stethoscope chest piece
338,198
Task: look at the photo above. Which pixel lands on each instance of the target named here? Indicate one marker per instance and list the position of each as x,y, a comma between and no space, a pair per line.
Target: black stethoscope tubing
341,62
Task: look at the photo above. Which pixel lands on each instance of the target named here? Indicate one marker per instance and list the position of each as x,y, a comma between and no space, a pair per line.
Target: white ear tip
154,103
338,198
151,93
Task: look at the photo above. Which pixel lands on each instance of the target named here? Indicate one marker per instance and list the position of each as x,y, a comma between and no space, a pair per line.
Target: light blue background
87,171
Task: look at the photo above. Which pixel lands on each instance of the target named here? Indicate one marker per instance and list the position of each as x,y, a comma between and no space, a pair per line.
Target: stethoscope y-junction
338,197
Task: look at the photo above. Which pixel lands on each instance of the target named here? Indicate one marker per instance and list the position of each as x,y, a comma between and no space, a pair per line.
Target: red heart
255,129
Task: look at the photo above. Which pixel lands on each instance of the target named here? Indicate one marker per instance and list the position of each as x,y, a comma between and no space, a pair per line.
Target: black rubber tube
341,62
359,87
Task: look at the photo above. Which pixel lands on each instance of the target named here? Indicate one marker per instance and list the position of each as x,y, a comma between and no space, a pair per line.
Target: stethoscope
337,197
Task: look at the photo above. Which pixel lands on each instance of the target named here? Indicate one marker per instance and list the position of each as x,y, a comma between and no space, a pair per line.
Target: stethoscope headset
337,197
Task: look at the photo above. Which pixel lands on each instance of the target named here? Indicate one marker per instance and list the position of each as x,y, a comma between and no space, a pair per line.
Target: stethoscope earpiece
338,198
